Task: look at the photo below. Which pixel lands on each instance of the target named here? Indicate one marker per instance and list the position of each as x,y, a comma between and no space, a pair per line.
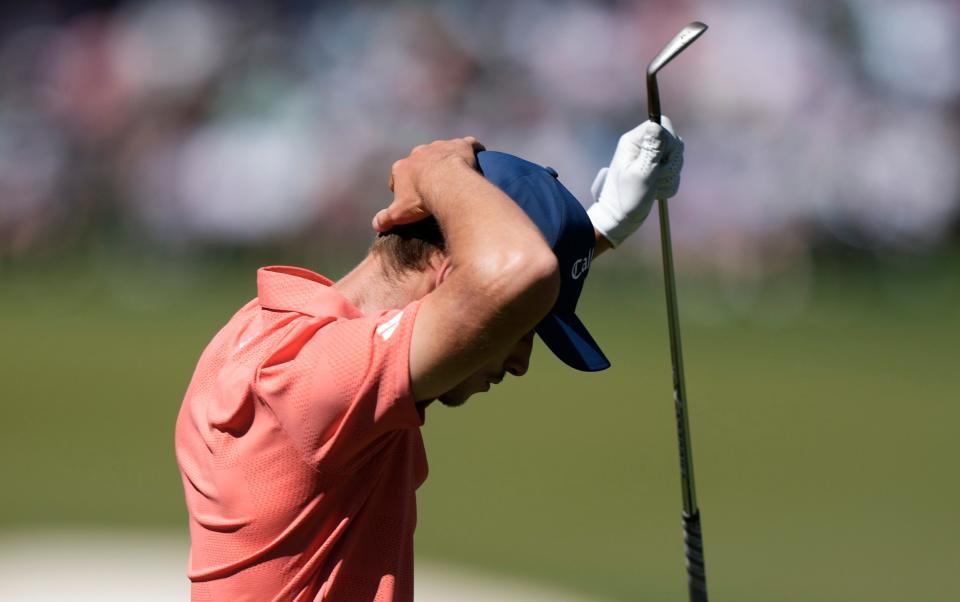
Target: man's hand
646,166
413,179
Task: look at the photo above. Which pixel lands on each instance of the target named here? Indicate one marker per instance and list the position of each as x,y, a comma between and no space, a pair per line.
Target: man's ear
444,270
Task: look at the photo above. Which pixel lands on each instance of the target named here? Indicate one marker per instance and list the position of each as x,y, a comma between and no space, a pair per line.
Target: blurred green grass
823,432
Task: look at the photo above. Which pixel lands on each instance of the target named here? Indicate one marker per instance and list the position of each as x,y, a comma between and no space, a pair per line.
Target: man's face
515,362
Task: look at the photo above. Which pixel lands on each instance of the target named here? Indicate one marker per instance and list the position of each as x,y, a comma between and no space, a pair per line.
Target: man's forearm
480,223
498,279
499,260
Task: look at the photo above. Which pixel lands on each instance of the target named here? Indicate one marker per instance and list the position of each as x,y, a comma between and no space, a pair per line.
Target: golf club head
675,46
684,38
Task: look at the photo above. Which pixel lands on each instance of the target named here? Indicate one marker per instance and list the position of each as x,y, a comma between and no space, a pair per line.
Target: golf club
692,535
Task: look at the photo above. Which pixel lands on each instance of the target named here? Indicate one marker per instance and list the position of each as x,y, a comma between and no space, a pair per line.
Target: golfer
299,436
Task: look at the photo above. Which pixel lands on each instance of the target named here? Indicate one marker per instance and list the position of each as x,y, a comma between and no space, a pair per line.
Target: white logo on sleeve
387,329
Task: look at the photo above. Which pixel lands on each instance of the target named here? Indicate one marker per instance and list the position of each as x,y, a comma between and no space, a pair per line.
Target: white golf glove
646,166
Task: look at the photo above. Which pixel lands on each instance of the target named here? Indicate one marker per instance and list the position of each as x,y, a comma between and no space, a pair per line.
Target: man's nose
518,362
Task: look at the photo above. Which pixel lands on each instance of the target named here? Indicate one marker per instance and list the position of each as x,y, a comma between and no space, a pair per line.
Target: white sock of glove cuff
646,166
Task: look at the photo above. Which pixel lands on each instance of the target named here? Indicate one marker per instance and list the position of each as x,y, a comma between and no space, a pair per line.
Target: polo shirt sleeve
339,389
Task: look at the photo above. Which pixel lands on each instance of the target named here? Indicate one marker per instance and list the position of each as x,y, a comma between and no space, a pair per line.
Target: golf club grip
693,544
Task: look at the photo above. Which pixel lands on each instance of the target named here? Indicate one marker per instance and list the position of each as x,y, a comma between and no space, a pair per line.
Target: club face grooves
675,46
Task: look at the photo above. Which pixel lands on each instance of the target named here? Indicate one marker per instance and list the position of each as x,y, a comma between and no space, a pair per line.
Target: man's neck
369,289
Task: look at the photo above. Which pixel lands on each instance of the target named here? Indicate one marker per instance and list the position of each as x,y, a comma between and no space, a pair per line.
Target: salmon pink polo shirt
300,450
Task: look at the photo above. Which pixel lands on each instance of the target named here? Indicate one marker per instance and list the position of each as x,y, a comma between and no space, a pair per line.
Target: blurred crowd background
195,124
154,153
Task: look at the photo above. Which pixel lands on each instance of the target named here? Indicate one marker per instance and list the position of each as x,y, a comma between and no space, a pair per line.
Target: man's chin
453,399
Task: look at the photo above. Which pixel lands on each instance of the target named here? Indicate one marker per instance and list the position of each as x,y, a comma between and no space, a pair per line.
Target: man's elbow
529,281
543,273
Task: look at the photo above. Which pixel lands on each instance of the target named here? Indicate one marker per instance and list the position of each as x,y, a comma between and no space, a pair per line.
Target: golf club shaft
692,534
676,358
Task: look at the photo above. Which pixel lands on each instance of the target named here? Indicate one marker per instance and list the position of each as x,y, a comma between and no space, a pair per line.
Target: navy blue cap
569,232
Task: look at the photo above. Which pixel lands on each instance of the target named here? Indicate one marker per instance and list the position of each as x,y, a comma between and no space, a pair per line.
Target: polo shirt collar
288,288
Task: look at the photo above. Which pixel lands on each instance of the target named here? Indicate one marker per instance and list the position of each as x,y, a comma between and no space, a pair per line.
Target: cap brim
568,339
